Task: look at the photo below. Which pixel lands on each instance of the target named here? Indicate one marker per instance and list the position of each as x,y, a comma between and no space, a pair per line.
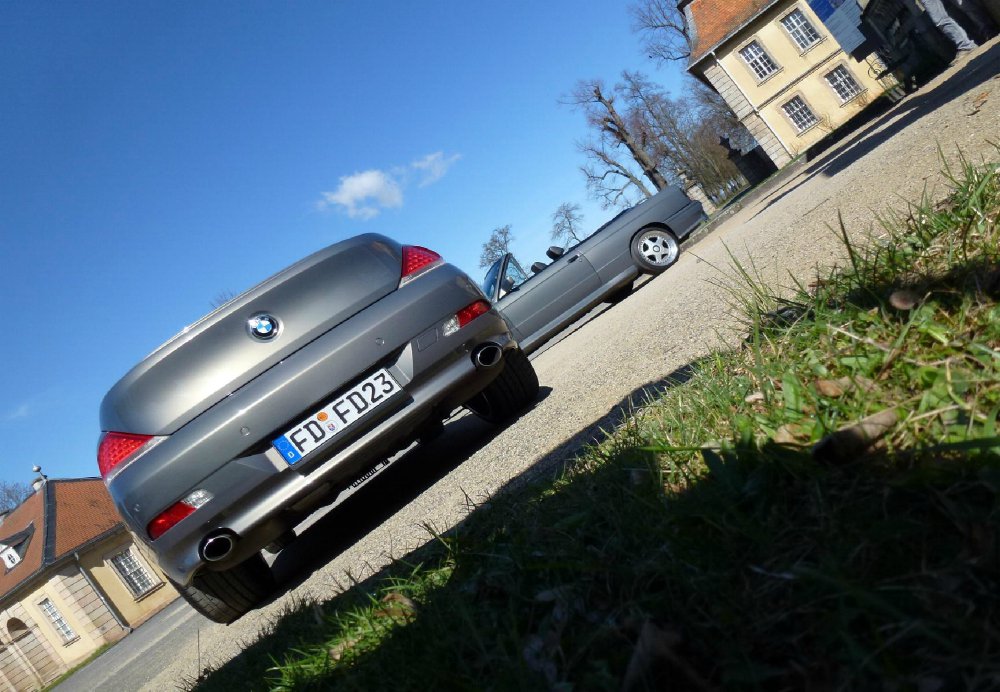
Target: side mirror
537,267
507,284
555,252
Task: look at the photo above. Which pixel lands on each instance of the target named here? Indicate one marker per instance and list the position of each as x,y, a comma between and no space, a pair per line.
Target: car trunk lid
217,355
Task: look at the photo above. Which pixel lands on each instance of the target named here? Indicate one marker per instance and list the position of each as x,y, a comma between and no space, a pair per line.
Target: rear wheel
510,393
227,595
654,249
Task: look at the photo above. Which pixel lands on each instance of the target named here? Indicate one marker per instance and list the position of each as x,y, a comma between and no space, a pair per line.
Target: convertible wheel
654,249
510,393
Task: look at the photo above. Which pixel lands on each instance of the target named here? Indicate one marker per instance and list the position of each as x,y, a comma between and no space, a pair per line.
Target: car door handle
574,258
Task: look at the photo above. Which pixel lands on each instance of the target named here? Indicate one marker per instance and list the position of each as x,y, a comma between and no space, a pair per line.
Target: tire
510,393
228,595
654,249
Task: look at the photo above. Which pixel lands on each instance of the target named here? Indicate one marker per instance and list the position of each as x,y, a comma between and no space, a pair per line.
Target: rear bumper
257,496
258,514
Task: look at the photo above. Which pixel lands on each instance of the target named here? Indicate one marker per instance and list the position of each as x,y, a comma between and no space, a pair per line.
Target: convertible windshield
513,276
490,282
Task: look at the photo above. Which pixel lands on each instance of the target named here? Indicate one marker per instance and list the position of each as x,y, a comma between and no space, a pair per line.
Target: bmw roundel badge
263,326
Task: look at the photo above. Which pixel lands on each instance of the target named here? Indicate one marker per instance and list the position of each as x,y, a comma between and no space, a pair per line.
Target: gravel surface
672,320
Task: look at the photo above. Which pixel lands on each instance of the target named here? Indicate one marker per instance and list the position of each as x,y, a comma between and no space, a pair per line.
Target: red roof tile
716,20
83,511
64,515
28,513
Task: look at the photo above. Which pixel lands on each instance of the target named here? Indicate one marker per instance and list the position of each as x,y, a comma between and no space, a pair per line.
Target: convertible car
643,239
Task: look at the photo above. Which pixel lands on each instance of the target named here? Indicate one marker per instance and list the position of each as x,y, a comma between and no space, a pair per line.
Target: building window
9,556
758,60
62,627
842,81
800,114
133,574
800,29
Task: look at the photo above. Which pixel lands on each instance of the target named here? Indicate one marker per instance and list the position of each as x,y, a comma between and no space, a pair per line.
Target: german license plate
322,426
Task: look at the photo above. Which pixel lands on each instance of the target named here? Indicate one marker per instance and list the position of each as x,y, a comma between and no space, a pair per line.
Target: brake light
172,515
168,518
464,316
417,260
471,312
115,448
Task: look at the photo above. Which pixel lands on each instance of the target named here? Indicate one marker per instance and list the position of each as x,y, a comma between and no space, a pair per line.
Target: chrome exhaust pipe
217,546
487,355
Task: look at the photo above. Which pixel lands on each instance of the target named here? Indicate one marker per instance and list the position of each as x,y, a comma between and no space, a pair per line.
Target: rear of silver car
224,438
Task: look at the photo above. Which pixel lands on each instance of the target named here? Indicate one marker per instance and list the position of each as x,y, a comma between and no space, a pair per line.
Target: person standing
952,29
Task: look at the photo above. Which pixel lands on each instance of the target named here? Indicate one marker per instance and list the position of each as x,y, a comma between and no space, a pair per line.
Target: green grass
52,684
817,510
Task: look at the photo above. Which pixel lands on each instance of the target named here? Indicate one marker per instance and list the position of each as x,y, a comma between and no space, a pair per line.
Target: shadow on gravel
426,464
390,491
974,74
778,574
402,482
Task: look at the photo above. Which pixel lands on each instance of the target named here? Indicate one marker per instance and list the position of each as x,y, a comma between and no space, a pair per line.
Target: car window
492,276
514,276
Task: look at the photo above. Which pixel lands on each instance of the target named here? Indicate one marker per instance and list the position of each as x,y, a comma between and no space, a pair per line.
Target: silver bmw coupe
218,443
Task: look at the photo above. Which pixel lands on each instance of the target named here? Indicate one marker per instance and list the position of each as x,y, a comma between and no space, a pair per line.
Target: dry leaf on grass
837,388
397,606
847,444
831,388
790,434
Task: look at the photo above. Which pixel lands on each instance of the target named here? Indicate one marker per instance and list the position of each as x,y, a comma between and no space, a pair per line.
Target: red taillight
471,312
116,447
415,259
168,518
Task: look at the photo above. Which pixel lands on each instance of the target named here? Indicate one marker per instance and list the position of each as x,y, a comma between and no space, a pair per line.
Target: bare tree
616,149
222,297
566,223
639,127
667,37
12,494
682,134
665,34
609,179
497,246
714,111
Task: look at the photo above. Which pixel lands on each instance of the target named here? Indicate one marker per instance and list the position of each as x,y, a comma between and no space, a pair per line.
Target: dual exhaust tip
487,356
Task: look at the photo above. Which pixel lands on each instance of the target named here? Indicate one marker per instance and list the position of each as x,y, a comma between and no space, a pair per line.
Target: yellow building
71,581
787,74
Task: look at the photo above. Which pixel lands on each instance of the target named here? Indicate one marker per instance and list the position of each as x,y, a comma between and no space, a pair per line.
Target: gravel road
627,350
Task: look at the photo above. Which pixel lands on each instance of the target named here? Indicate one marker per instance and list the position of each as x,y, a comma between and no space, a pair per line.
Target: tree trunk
615,126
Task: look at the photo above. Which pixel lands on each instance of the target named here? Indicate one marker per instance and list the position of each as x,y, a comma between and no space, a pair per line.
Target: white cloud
364,195
22,411
434,166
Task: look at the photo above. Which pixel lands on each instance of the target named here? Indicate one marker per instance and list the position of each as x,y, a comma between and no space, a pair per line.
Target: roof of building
714,21
53,522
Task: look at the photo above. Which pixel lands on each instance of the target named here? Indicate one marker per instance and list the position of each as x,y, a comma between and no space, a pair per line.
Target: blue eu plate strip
287,449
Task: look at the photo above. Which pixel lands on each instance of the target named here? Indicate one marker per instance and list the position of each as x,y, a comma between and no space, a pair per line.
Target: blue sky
154,155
